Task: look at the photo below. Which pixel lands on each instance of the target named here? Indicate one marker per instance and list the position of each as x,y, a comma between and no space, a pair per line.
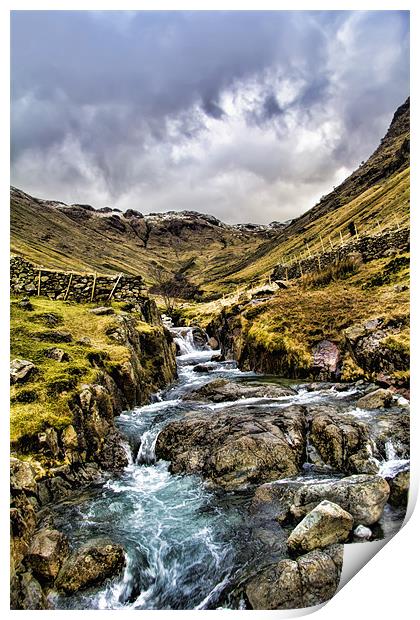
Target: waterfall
184,339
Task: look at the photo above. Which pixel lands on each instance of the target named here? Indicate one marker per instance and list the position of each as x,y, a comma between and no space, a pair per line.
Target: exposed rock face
292,584
325,525
27,593
222,390
234,448
341,441
363,496
21,370
367,343
325,361
47,552
90,564
378,399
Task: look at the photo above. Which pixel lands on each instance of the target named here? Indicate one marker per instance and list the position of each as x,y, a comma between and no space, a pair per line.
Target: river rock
213,343
21,370
237,447
362,532
102,311
309,580
222,390
57,354
341,441
376,400
204,367
200,338
47,552
390,433
30,594
363,496
399,485
91,564
325,525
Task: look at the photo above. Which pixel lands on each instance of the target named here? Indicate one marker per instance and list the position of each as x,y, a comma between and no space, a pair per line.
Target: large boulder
340,441
236,447
363,496
22,476
57,354
292,584
325,361
378,399
47,552
222,390
90,565
21,370
325,525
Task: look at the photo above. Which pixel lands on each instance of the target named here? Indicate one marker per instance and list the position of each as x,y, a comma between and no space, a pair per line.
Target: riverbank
192,541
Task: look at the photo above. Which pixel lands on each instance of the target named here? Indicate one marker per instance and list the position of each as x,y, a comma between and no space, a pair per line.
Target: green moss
43,400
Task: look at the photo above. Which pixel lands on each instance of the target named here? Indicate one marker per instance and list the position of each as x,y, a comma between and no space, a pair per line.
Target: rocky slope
67,387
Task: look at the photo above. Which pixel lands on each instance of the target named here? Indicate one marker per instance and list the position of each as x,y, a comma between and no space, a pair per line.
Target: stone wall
369,247
25,278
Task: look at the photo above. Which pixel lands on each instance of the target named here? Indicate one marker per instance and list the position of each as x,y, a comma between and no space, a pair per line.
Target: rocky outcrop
91,564
234,448
21,370
378,399
309,580
340,441
325,525
222,390
46,553
363,496
370,347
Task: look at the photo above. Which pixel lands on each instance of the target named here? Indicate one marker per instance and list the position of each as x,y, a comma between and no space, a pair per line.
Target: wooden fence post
396,221
357,232
331,243
301,272
309,251
66,294
114,287
322,243
39,282
93,287
319,262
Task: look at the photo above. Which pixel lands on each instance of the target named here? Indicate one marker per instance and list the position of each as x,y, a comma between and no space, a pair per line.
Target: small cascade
146,454
184,340
393,463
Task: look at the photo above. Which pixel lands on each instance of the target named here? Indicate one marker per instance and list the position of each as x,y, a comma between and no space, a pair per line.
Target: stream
187,546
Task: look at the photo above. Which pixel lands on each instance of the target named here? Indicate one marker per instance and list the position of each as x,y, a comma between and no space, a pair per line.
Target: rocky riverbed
240,492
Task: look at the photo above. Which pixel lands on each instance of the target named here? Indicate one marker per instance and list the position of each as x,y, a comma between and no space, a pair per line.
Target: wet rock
309,580
91,564
273,500
85,340
213,343
363,496
204,367
54,336
200,338
57,354
400,486
235,448
217,358
30,595
362,532
21,370
325,361
102,311
341,441
375,400
390,432
325,525
46,554
222,390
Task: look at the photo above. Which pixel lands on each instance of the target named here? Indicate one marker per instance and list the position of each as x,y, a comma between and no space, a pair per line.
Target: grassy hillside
218,257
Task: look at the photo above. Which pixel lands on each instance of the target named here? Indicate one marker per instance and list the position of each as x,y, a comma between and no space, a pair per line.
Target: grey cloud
124,107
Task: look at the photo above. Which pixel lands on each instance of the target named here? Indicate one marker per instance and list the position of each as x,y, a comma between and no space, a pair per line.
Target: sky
250,116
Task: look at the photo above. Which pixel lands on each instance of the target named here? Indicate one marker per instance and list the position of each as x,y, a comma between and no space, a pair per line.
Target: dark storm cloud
247,115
